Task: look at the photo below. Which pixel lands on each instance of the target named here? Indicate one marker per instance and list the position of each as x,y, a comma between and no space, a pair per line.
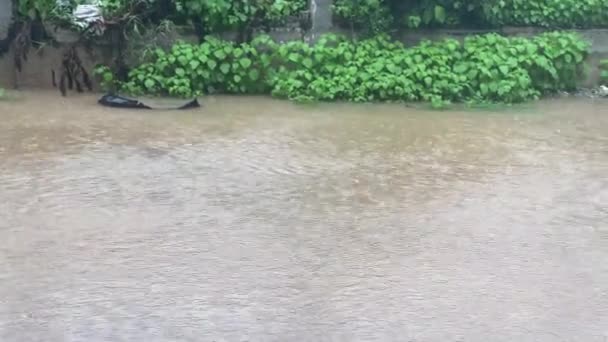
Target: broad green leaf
149,83
212,64
294,57
180,72
265,60
307,62
427,16
194,64
391,68
245,62
225,68
440,15
220,54
460,68
254,74
484,89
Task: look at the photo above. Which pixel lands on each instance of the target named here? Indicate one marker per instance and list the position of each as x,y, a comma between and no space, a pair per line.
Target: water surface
259,220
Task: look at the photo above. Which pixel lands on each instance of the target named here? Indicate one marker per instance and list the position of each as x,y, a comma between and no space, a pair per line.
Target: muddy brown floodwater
259,220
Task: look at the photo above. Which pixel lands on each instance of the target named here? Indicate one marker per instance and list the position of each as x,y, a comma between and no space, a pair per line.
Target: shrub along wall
206,16
372,16
488,68
550,13
557,14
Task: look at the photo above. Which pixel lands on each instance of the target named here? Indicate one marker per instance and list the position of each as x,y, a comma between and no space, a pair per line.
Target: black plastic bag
116,101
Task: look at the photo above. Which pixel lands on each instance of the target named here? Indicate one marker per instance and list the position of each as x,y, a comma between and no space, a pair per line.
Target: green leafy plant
211,67
377,15
604,71
37,8
106,77
488,68
442,13
242,15
558,14
548,13
370,16
60,13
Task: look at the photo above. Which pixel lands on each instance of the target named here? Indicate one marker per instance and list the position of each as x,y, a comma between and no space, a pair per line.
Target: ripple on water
252,219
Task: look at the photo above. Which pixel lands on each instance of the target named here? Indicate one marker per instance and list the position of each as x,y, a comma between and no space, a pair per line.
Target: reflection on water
258,220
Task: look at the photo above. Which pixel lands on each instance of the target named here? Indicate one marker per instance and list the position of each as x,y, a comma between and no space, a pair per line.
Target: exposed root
72,73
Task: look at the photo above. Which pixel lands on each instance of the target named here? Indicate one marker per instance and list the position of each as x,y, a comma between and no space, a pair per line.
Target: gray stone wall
6,13
7,73
36,70
321,18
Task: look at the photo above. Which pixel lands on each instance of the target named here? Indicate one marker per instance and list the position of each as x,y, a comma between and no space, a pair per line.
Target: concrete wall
6,12
321,18
7,71
6,65
37,71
